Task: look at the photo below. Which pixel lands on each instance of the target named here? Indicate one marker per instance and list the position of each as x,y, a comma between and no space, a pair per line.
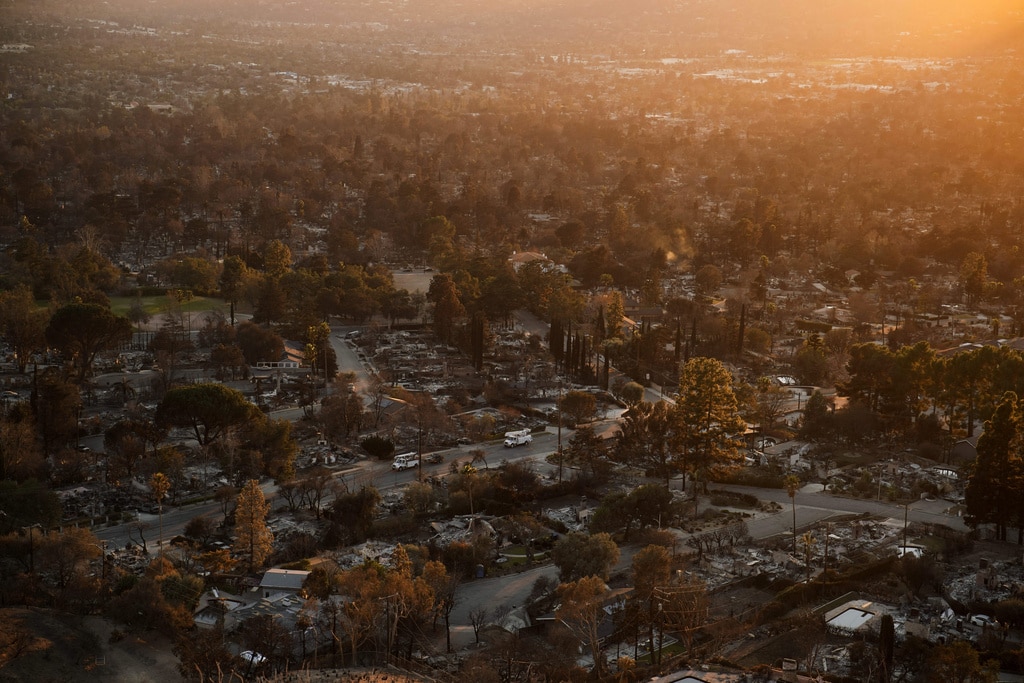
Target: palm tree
809,541
159,484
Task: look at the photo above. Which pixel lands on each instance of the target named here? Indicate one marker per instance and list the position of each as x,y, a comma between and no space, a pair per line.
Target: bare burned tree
477,619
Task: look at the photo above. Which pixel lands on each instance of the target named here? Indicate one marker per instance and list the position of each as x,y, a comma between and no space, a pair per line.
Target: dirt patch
46,645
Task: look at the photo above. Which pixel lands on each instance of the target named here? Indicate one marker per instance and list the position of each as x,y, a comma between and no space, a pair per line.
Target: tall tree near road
27,506
56,403
685,606
578,555
652,567
259,343
587,451
974,277
126,444
208,409
320,355
705,419
20,455
631,393
254,539
62,558
996,477
444,587
892,384
22,323
232,276
965,385
580,611
81,331
579,406
342,413
644,439
159,485
769,403
447,307
277,259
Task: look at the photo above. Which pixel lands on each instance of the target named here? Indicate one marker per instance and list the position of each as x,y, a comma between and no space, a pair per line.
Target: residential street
377,473
812,506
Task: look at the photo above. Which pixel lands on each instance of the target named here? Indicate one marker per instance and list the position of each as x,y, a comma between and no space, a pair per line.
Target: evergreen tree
998,469
255,540
706,419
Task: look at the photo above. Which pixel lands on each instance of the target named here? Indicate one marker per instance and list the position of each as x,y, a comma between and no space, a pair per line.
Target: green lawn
521,550
670,650
155,305
516,556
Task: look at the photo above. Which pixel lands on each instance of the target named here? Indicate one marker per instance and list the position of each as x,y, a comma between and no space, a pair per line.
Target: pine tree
705,419
991,489
254,539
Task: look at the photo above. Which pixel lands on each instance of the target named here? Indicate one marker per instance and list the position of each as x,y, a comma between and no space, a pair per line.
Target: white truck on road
406,461
518,438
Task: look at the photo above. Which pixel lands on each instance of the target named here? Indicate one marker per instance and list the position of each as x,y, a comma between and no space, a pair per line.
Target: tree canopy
706,418
578,555
82,330
254,538
207,409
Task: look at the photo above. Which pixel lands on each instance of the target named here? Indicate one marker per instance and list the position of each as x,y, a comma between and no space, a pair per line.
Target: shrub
379,447
733,499
394,526
771,611
751,476
554,524
653,536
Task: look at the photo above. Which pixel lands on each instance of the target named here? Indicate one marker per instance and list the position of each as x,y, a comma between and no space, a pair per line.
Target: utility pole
31,548
824,569
387,624
906,513
879,481
559,409
419,450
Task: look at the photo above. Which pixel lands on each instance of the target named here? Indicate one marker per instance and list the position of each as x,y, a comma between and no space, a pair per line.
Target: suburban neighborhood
349,341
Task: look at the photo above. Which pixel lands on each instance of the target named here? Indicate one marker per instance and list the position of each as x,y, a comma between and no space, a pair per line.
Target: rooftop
288,579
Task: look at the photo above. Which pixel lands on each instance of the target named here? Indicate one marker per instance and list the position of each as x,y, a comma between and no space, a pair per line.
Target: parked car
435,458
253,658
983,620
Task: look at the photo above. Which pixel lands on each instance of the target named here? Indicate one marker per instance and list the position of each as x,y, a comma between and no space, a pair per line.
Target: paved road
366,472
348,357
812,506
812,502
511,590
